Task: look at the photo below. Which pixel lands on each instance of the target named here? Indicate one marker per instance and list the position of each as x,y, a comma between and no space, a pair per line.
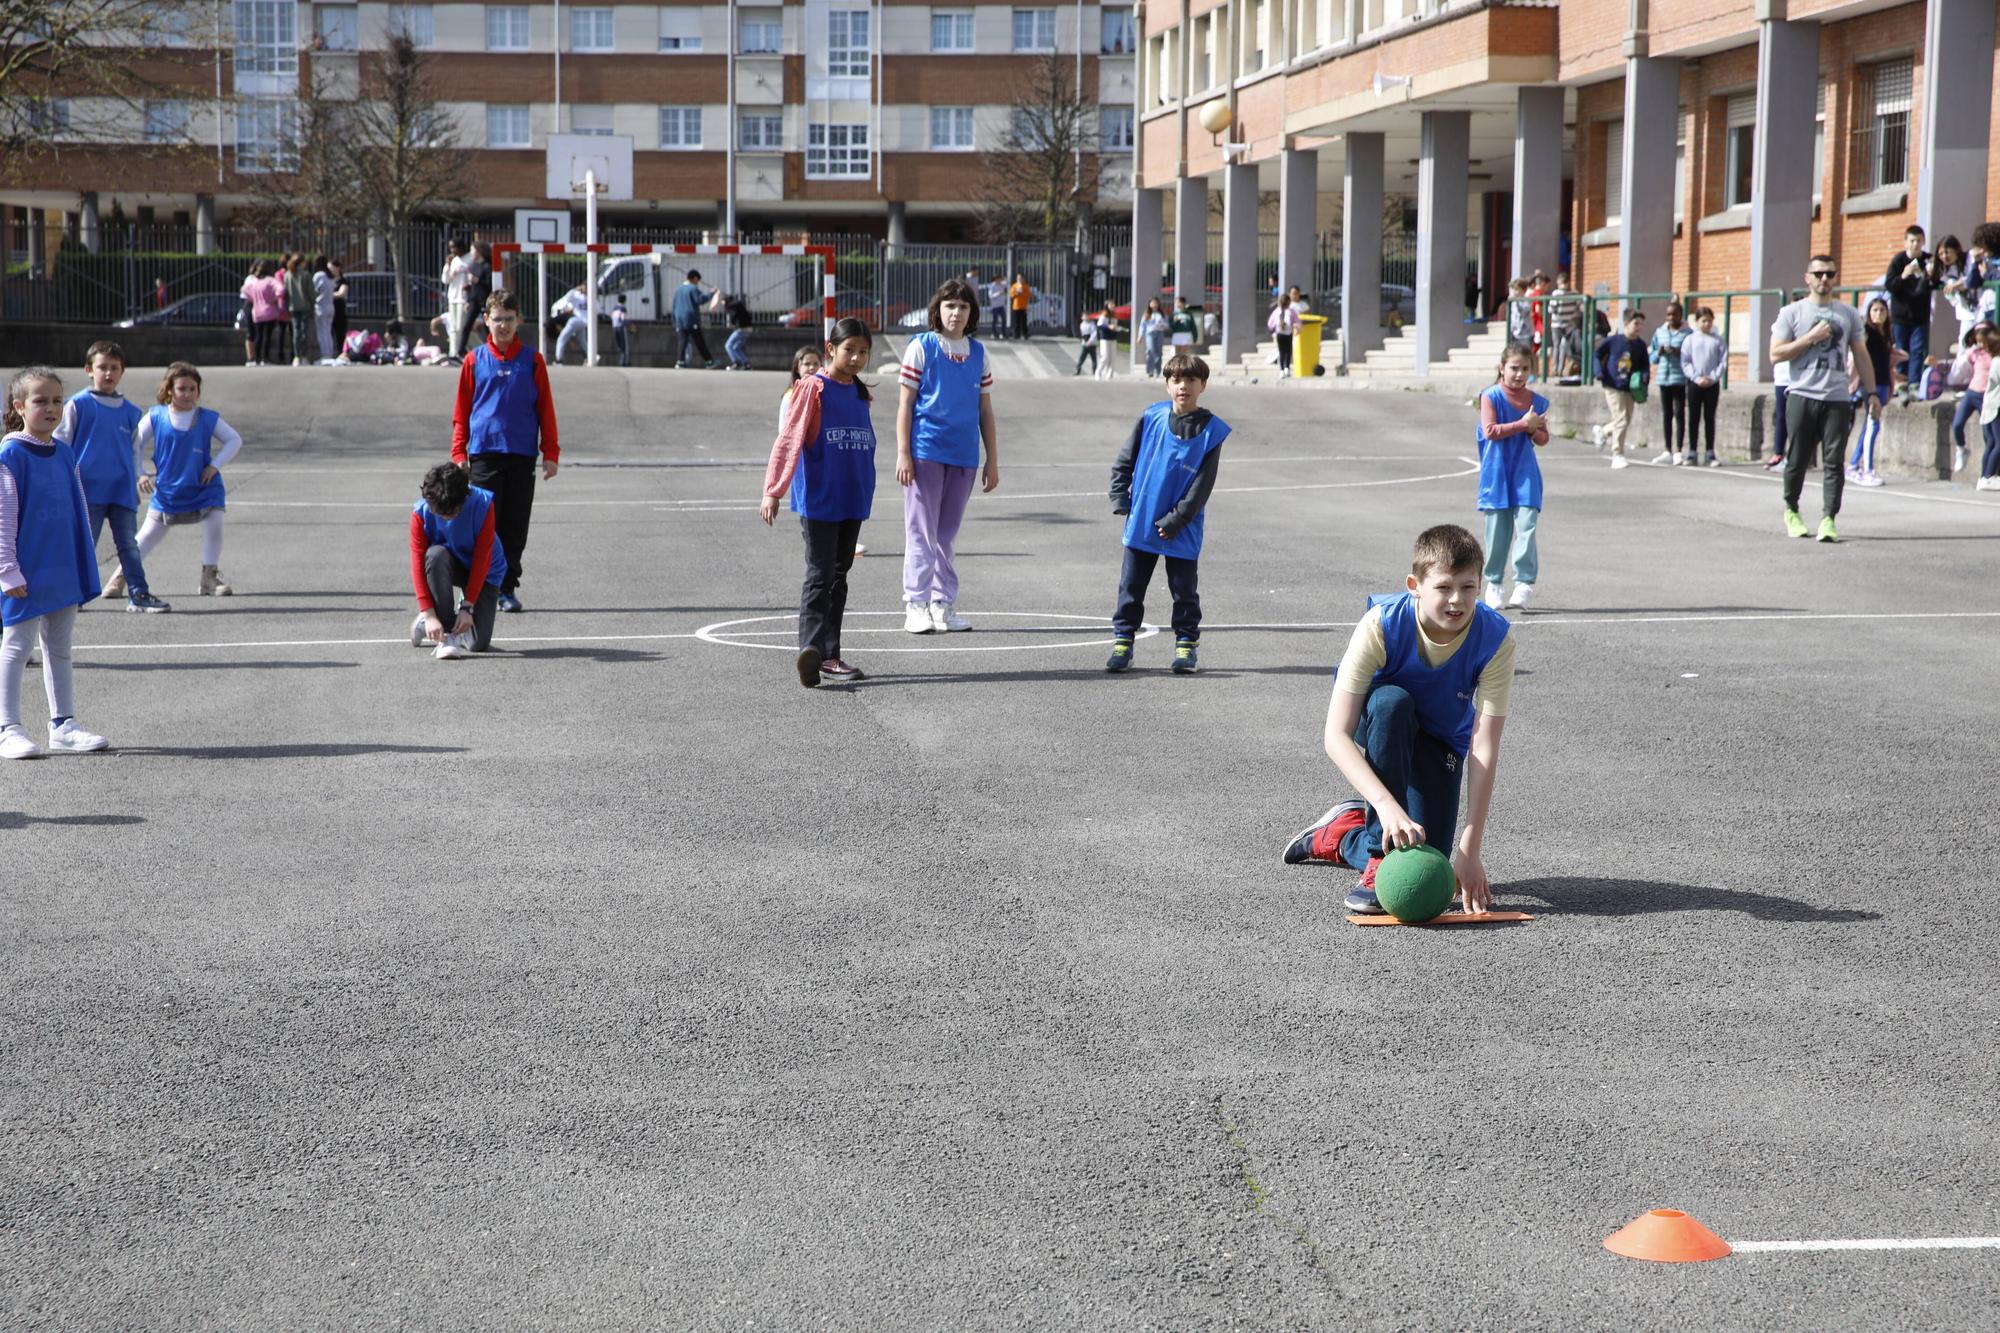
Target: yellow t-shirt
1368,652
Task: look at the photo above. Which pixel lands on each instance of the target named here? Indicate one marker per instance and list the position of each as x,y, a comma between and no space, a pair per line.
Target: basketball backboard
572,155
541,226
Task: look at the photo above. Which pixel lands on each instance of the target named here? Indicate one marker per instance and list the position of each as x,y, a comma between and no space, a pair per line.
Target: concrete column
898,229
91,229
1646,234
1443,161
1781,174
1191,240
1538,181
1148,235
1242,293
1298,219
204,226
1951,173
1361,247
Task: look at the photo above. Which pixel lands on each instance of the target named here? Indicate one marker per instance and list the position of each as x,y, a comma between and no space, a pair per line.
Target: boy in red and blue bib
453,544
505,415
1418,706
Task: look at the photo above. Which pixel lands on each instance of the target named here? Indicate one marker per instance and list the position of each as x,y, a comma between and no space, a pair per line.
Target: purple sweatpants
933,507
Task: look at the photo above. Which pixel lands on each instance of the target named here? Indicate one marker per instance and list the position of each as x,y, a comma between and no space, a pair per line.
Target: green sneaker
1794,525
1184,657
1121,656
1826,532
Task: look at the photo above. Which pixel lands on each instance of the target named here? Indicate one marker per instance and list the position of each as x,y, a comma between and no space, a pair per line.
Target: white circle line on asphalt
937,643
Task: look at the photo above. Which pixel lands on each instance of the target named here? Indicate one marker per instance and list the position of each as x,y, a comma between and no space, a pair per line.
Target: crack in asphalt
1261,1197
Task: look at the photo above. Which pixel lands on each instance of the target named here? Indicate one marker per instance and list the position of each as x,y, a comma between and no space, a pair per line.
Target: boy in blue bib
1421,690
506,415
1161,482
454,543
100,424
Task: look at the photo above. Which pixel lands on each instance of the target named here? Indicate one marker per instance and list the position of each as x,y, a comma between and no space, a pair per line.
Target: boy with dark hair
100,424
1162,480
1910,279
689,298
1622,362
453,545
505,414
1422,687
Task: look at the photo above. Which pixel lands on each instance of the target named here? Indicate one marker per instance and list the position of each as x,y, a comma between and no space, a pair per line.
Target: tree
316,177
407,160
1046,173
68,73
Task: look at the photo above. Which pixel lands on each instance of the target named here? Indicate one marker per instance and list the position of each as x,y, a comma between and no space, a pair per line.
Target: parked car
848,304
1211,300
373,296
1397,300
202,308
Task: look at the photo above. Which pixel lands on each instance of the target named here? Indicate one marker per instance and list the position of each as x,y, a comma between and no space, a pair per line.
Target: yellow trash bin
1305,349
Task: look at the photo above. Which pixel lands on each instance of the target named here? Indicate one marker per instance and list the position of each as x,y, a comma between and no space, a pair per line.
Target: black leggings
1674,414
1701,415
1284,354
267,333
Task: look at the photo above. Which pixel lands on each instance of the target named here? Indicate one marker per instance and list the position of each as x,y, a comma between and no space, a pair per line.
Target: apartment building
849,115
1644,146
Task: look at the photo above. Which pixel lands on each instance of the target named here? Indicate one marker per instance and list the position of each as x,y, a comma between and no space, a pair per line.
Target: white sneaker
945,619
14,744
917,619
1597,436
1713,461
1493,596
1664,458
419,635
1983,484
1620,460
1522,592
69,736
452,649
1869,479
1958,458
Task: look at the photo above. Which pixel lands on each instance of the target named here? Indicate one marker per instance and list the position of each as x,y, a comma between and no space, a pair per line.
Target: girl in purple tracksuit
947,408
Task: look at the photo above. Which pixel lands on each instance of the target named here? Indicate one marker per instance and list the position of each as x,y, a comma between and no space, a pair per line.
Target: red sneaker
1361,899
1320,841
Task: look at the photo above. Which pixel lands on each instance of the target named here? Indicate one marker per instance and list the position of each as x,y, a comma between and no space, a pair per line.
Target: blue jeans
1417,768
1183,581
1989,466
739,339
125,537
1916,340
1968,407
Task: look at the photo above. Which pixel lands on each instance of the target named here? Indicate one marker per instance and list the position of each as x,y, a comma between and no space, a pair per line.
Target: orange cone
1667,1236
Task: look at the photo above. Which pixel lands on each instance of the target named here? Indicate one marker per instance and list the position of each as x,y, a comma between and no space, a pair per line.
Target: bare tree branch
1046,173
407,159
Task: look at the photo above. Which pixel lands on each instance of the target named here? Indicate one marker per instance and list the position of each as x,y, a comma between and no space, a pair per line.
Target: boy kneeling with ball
1421,689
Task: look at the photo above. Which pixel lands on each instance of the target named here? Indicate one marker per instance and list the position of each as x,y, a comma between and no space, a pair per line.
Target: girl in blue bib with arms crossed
1161,480
1418,706
1513,423
48,564
101,425
945,410
190,444
824,459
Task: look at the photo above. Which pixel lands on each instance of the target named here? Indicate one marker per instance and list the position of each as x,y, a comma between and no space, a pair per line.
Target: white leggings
56,629
155,528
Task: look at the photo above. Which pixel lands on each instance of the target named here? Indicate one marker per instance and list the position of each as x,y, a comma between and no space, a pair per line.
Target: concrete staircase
1481,351
1396,358
1259,365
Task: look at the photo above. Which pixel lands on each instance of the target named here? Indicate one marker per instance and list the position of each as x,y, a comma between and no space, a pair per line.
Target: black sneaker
1361,899
145,601
809,667
509,602
1185,662
1121,656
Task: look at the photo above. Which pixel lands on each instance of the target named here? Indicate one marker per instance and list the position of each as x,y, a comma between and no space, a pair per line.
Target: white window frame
760,32
267,37
1614,172
960,33
956,124
1038,20
256,154
506,138
680,30
1110,119
1739,142
167,119
683,120
419,22
49,116
1891,97
346,24
508,28
770,136
1129,24
592,118
593,30
851,156
844,59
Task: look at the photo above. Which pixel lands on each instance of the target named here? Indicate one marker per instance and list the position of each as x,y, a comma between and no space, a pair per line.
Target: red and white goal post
502,249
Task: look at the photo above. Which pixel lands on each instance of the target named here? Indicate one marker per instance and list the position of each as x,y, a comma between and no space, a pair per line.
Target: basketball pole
542,298
590,265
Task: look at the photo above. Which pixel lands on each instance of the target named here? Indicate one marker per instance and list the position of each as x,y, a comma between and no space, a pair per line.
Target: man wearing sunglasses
1816,336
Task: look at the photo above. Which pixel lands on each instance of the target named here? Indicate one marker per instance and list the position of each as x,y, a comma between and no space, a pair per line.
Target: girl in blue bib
190,444
945,411
824,460
1513,423
48,564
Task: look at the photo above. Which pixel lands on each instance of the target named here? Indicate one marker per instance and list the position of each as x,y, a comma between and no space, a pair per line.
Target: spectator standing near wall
478,286
1911,278
996,305
1565,325
1703,357
339,272
299,304
455,277
1672,383
1020,295
322,281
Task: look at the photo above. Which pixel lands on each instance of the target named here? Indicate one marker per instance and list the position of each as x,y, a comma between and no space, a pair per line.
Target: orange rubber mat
1448,919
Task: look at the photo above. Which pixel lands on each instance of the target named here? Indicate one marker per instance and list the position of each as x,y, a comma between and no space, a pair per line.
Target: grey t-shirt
1820,371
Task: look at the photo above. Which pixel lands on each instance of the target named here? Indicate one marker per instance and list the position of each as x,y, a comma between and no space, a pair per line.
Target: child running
48,566
505,414
824,458
1513,423
946,409
1422,688
190,444
101,425
453,545
1162,480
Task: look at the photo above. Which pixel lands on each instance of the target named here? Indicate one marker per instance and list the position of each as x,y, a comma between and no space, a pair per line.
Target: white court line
1879,1243
725,634
1850,490
350,643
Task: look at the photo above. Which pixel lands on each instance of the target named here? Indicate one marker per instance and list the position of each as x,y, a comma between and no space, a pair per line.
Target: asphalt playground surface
614,980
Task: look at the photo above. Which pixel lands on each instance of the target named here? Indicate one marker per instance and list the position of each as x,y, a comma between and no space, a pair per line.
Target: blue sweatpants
1417,767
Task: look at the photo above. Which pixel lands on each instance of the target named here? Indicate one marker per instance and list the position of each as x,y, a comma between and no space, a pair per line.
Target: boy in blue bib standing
1418,705
1161,482
505,415
100,424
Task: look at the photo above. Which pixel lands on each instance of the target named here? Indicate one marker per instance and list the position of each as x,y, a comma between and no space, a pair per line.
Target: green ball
1415,884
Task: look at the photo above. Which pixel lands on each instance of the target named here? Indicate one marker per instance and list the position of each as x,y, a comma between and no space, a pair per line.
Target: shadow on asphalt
12,819
1663,611
589,654
1634,897
213,666
324,750
872,681
1048,518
